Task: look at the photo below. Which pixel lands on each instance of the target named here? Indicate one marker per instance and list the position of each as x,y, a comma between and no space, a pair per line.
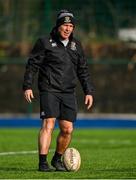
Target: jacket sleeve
83,73
33,64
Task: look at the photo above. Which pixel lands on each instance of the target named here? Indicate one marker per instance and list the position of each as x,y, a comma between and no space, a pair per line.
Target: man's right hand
28,94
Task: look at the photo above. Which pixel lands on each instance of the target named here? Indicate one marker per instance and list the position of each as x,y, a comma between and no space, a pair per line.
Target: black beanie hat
64,16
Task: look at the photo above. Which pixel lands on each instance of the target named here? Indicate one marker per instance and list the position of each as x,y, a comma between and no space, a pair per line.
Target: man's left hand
89,101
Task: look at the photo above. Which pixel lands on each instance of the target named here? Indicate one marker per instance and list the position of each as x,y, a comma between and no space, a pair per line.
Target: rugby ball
72,159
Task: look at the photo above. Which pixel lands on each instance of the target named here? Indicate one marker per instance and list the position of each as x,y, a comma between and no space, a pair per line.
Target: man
59,59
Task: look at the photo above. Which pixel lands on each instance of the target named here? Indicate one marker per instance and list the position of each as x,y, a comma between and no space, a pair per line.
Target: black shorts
62,106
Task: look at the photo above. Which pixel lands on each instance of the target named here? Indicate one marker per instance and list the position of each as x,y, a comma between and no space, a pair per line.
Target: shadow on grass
17,169
117,170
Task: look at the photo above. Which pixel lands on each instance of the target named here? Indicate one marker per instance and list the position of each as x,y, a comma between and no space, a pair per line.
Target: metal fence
27,19
114,89
107,31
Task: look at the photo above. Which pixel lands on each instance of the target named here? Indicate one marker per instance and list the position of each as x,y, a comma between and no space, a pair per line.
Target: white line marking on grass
15,153
20,152
113,141
109,141
82,141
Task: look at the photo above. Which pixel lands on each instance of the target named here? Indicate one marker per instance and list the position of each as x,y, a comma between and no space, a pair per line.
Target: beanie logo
67,19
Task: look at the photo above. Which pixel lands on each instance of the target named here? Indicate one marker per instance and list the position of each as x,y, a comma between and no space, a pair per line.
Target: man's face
65,30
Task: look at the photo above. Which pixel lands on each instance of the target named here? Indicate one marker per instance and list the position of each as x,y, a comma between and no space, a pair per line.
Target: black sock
57,156
42,158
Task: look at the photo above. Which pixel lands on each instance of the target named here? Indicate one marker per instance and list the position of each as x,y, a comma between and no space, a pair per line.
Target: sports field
106,153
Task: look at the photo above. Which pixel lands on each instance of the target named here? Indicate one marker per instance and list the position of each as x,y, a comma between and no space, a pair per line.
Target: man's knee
48,125
67,130
49,130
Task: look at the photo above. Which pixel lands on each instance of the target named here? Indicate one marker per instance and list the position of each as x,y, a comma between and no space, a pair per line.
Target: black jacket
58,66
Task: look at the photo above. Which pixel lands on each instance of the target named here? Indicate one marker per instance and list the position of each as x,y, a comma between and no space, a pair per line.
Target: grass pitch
109,154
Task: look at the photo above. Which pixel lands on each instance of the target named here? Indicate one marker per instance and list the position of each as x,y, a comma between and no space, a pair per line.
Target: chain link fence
107,30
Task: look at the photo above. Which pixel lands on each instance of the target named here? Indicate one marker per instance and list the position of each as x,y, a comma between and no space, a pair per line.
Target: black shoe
58,164
45,167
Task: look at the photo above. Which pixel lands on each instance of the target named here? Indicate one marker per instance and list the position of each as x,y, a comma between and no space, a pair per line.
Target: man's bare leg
44,141
64,137
63,141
